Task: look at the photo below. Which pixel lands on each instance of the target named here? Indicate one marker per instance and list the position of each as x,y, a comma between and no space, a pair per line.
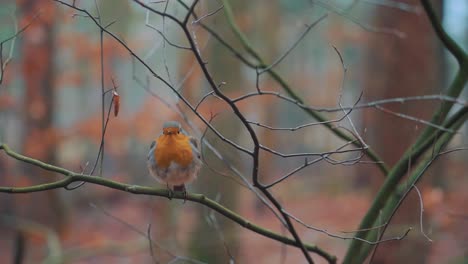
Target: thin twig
396,5
306,164
101,54
421,203
4,62
369,28
196,21
324,231
286,53
418,120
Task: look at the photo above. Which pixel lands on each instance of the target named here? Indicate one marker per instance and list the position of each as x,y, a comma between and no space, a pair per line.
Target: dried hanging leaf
116,102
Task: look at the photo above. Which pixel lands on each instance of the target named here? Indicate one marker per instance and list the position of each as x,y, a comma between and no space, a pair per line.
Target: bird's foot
181,188
171,192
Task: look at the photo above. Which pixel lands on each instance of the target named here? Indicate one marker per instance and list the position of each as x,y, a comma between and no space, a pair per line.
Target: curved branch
461,78
357,251
448,42
388,196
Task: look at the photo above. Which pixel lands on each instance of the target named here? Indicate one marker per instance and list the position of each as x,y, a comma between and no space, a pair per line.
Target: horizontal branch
137,189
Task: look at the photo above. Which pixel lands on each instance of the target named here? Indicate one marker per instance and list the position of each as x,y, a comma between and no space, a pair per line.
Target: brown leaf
116,98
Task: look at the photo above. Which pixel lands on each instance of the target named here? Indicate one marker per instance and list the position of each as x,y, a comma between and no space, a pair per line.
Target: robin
174,158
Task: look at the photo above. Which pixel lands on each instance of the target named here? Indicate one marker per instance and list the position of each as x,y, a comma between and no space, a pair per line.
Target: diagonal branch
286,53
388,197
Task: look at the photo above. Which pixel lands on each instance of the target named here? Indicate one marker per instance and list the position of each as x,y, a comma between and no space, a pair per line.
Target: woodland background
51,109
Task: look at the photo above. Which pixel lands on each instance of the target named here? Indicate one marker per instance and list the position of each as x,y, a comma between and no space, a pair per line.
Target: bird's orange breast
173,148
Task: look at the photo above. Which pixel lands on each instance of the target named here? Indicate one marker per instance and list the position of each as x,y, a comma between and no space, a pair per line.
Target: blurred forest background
51,109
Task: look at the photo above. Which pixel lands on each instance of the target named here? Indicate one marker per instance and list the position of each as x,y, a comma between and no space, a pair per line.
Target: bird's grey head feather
169,124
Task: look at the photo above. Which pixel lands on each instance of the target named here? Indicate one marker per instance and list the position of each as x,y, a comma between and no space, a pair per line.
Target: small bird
174,158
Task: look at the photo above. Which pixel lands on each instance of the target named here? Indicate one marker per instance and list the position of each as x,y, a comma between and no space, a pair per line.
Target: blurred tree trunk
400,67
40,137
224,68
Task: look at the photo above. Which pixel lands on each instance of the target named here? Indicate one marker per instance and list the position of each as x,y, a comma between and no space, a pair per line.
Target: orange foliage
188,66
144,124
7,101
45,9
148,121
211,106
36,236
22,181
433,198
87,51
38,143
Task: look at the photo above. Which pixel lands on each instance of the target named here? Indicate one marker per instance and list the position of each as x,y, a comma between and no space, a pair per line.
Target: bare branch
189,13
396,5
196,21
308,154
354,132
286,53
150,244
324,231
213,221
4,62
404,116
307,163
166,39
432,97
421,203
345,14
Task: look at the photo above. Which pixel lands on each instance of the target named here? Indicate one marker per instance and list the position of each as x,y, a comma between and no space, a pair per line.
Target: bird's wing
152,148
153,145
194,144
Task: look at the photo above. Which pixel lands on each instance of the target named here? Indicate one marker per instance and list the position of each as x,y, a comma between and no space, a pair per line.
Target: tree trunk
39,135
401,67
